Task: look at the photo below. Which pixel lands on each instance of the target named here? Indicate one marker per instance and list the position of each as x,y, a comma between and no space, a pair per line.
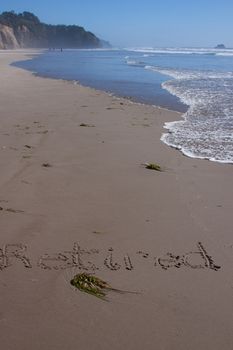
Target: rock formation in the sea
25,30
220,46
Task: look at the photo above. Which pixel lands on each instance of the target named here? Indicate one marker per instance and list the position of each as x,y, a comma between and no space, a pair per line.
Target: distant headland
25,30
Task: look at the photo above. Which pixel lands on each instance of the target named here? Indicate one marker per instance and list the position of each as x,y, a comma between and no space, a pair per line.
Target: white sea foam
135,63
226,157
131,62
230,54
190,74
184,51
206,129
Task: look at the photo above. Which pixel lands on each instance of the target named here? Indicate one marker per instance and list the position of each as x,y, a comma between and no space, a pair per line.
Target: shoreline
168,127
132,98
75,197
115,96
109,93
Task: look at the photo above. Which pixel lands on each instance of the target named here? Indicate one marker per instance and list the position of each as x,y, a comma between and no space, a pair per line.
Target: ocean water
196,82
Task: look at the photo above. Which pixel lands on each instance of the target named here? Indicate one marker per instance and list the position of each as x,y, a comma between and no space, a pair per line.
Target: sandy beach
75,196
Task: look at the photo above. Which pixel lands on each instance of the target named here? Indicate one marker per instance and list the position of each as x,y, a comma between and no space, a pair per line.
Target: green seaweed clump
91,285
153,166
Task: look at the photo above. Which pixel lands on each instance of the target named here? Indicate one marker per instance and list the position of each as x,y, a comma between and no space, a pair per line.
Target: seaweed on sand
92,285
153,166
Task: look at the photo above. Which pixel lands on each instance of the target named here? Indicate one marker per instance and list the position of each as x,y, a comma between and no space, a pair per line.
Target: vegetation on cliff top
30,32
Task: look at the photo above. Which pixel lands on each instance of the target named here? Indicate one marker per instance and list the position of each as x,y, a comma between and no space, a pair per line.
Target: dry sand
96,193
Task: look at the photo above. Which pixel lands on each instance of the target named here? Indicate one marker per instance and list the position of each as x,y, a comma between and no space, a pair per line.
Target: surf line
79,258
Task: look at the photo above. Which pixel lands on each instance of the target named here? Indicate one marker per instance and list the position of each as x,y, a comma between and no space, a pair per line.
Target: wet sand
75,196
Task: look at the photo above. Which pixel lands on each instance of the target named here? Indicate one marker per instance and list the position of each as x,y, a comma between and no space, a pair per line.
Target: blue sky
140,22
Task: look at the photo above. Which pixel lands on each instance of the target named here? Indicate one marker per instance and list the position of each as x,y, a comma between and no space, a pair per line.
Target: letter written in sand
109,262
11,252
200,259
67,259
169,260
54,261
77,255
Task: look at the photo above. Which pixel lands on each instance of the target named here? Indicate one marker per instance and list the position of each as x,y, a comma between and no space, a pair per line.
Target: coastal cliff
7,38
25,30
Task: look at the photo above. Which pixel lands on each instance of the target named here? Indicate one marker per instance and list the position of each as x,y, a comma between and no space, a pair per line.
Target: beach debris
92,285
46,165
153,166
28,146
87,125
10,210
97,232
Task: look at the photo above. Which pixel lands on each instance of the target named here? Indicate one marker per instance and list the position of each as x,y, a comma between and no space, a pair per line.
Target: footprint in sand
42,132
46,165
26,182
27,147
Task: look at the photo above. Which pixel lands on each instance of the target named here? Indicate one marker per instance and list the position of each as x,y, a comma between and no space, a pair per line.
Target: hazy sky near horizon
128,23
